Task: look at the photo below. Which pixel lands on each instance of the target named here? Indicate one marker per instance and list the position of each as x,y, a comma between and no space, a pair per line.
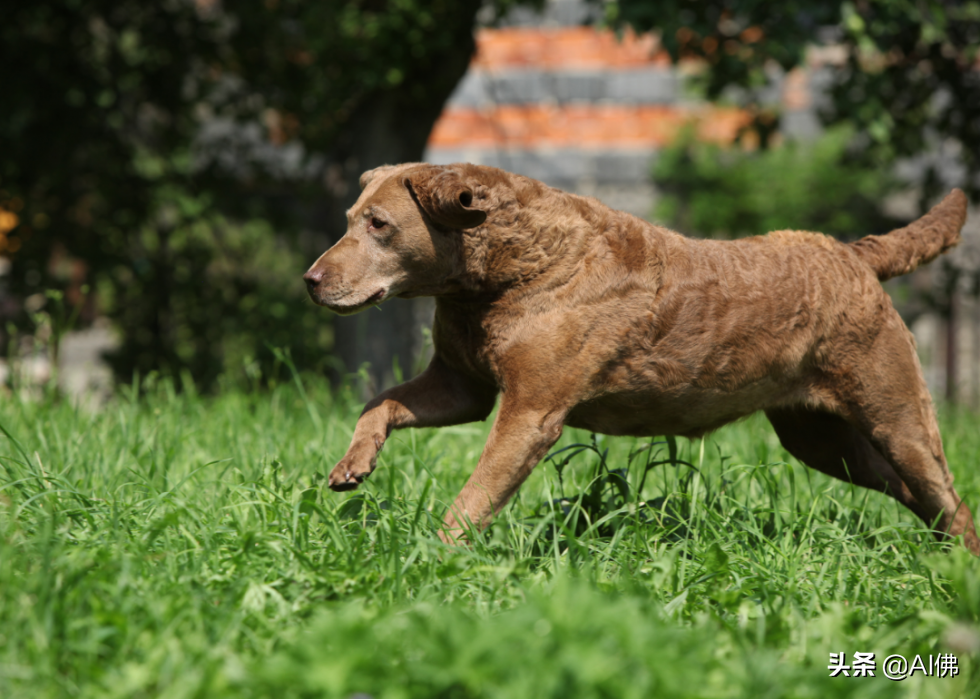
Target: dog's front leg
437,397
518,441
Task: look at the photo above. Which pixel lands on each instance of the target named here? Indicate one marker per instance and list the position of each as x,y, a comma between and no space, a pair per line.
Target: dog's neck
537,238
532,232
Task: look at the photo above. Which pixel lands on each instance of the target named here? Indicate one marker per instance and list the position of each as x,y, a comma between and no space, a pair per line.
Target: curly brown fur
576,314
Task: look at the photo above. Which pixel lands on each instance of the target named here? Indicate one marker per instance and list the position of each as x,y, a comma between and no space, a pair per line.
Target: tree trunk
389,127
952,348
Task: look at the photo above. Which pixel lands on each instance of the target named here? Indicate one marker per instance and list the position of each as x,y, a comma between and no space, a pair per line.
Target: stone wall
585,110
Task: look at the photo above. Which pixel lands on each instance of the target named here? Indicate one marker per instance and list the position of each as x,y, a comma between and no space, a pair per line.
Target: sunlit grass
177,546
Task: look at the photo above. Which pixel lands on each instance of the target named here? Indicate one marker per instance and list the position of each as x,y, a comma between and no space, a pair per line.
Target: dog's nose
312,278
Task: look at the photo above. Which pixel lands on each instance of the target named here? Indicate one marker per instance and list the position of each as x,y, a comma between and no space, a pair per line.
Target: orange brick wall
579,126
565,48
616,126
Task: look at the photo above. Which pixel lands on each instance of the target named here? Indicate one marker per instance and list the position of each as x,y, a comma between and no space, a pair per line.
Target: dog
576,314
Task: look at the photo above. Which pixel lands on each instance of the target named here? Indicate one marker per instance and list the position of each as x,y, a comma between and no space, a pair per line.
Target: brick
565,48
587,125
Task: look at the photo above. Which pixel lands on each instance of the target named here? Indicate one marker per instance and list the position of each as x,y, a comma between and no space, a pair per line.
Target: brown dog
584,316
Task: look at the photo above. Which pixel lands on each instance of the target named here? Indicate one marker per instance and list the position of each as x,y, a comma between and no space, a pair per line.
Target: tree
101,158
908,78
89,90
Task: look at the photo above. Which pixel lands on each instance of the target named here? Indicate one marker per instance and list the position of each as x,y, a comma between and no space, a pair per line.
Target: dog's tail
902,250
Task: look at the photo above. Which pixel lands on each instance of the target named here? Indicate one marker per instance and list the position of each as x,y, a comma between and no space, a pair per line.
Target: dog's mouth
346,309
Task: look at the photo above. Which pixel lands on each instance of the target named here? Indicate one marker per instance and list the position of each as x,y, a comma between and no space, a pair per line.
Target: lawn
172,545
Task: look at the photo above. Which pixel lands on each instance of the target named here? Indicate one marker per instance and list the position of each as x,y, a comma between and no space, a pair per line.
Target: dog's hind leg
883,396
827,443
890,404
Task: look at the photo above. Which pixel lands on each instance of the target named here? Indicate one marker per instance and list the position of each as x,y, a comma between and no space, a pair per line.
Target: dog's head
402,237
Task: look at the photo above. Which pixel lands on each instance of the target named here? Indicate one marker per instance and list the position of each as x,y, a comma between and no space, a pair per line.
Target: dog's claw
345,480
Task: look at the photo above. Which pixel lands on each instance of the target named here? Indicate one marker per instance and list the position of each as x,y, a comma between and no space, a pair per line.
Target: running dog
576,314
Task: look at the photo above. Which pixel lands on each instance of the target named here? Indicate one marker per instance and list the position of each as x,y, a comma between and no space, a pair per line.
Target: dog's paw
346,477
349,473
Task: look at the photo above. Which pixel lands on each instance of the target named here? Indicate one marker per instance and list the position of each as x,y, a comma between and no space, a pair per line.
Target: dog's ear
445,198
369,175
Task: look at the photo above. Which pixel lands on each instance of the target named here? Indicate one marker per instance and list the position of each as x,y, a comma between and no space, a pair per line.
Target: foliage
96,85
169,545
318,64
908,80
106,131
210,296
712,190
104,86
737,40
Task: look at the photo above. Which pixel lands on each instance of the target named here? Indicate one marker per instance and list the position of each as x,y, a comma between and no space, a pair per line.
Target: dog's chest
466,340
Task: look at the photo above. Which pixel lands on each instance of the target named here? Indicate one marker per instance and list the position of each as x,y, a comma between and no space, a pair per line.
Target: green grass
178,546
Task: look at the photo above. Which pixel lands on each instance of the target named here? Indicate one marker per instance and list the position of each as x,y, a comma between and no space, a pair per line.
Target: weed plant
172,545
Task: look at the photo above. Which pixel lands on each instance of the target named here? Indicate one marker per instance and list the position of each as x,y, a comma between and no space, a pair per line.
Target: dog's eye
378,223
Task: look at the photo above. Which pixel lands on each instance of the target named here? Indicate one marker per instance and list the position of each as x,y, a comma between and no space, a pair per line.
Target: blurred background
169,170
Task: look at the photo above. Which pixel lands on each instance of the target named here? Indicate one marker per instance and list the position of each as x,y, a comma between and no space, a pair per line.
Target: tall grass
169,545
